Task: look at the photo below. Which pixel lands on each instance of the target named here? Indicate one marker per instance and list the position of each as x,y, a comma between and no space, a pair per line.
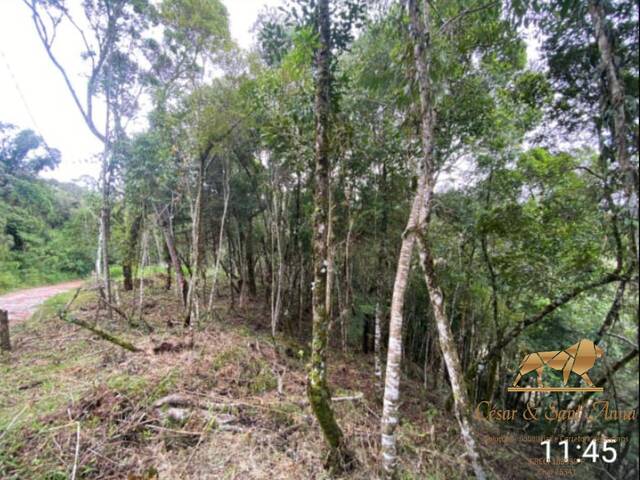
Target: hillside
232,405
47,228
392,239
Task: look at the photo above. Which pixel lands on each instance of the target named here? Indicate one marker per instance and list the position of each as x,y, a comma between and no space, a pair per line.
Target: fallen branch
73,299
357,396
115,308
98,331
171,430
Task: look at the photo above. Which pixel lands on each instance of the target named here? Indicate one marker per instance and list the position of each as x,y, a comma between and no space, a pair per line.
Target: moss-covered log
99,332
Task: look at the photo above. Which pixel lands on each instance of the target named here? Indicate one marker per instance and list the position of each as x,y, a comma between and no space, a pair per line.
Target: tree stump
5,342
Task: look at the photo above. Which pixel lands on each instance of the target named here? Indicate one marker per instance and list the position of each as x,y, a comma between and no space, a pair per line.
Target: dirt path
22,303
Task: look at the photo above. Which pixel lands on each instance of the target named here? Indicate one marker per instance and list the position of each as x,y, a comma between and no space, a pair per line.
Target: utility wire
24,100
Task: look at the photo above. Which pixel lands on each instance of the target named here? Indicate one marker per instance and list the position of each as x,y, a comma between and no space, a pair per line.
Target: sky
33,94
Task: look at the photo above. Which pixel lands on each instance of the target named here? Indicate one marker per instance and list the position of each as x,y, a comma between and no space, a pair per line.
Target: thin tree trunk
143,263
165,223
451,359
227,194
616,95
251,275
418,219
277,256
133,232
390,418
377,343
345,315
99,254
317,387
617,101
5,341
196,209
105,224
380,281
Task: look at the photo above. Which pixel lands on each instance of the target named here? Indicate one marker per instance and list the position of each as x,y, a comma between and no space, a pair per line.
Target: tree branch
549,308
48,44
98,331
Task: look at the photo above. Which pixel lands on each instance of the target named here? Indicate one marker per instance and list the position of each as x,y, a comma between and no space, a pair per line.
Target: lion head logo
578,358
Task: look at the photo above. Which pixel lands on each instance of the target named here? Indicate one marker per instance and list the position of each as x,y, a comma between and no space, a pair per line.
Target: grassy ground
231,407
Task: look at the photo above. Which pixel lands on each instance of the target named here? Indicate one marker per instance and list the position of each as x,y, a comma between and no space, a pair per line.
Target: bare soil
22,304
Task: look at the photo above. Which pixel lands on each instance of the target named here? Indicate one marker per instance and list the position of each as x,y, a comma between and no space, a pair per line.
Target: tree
317,388
108,32
24,152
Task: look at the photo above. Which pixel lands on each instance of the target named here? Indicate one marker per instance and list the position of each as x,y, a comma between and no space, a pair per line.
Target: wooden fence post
5,343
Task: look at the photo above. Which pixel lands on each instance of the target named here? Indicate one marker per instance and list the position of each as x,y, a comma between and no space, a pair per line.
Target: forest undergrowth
230,406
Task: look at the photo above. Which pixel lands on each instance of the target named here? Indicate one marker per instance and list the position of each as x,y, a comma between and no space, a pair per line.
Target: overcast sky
28,76
33,94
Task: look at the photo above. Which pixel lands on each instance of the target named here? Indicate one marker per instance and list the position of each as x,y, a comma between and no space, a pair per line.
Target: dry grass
242,411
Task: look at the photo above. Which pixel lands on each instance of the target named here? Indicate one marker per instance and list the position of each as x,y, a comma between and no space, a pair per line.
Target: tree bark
167,230
616,95
251,274
216,269
133,232
317,387
418,221
390,417
381,289
389,420
5,341
196,209
451,359
105,227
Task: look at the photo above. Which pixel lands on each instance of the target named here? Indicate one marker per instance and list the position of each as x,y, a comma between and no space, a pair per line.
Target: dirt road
22,303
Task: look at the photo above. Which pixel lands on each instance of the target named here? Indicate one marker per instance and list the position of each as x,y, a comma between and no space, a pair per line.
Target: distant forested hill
47,228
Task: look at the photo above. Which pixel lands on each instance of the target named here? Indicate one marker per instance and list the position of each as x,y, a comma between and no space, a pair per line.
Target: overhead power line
23,99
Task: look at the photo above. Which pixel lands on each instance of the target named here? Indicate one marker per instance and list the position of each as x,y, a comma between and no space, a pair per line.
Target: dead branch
352,398
98,331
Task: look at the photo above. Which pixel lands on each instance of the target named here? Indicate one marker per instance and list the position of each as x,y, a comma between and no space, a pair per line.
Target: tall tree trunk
317,387
418,220
129,257
451,359
490,374
196,209
381,288
390,418
251,274
105,228
144,259
616,94
345,314
216,269
164,220
167,259
617,101
5,341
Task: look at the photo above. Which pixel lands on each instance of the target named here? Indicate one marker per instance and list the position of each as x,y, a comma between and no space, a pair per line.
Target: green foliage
47,228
